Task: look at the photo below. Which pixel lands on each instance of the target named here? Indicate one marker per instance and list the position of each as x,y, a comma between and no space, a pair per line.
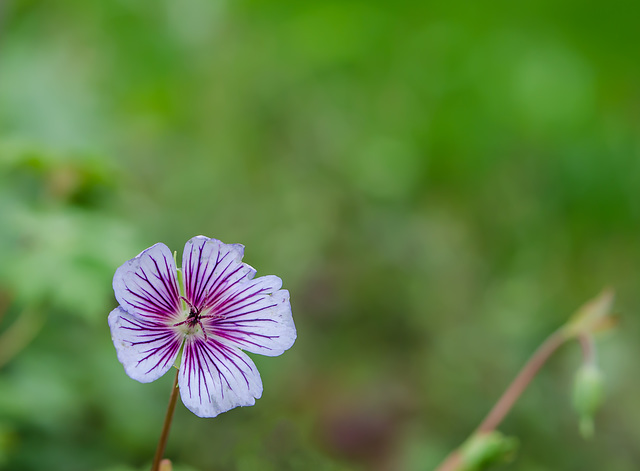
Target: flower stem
588,349
451,462
499,411
520,383
162,443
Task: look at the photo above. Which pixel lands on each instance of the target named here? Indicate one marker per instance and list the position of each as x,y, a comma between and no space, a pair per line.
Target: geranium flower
210,310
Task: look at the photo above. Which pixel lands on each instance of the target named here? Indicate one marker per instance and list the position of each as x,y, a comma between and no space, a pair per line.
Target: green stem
162,443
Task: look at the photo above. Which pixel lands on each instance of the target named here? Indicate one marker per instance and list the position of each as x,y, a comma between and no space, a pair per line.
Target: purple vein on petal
195,281
148,284
193,364
222,349
169,304
240,337
172,290
167,352
201,373
204,283
203,356
207,280
210,355
151,340
149,304
189,275
205,298
229,304
220,285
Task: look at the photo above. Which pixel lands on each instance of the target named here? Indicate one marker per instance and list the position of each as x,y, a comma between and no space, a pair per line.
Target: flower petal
215,378
147,349
147,285
211,267
255,315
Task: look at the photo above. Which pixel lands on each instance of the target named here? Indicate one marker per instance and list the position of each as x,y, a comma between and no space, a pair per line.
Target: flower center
194,317
189,326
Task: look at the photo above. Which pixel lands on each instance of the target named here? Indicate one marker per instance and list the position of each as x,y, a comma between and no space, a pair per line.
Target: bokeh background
439,184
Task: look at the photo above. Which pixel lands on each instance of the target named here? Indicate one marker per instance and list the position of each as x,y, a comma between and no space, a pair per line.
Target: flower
211,310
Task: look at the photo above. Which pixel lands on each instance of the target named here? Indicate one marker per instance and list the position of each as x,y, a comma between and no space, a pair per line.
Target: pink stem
511,394
162,444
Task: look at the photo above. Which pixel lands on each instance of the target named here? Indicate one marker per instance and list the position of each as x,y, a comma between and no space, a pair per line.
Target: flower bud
594,316
588,394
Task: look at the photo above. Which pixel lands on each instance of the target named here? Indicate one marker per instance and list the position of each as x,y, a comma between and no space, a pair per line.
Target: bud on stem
588,393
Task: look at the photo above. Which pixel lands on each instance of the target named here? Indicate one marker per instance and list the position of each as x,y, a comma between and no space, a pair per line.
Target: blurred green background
439,185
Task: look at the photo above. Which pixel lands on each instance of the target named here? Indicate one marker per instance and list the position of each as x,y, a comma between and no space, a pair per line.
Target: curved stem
454,461
588,348
162,443
451,462
520,383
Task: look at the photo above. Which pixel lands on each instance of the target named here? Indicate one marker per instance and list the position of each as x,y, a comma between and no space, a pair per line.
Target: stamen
191,306
203,331
193,318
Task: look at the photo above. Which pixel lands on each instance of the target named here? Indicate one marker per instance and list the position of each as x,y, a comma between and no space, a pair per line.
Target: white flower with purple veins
210,310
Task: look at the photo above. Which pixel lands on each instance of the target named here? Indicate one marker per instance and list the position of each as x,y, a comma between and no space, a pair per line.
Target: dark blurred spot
368,427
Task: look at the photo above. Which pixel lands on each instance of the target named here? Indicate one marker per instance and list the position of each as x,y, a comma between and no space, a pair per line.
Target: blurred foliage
438,184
